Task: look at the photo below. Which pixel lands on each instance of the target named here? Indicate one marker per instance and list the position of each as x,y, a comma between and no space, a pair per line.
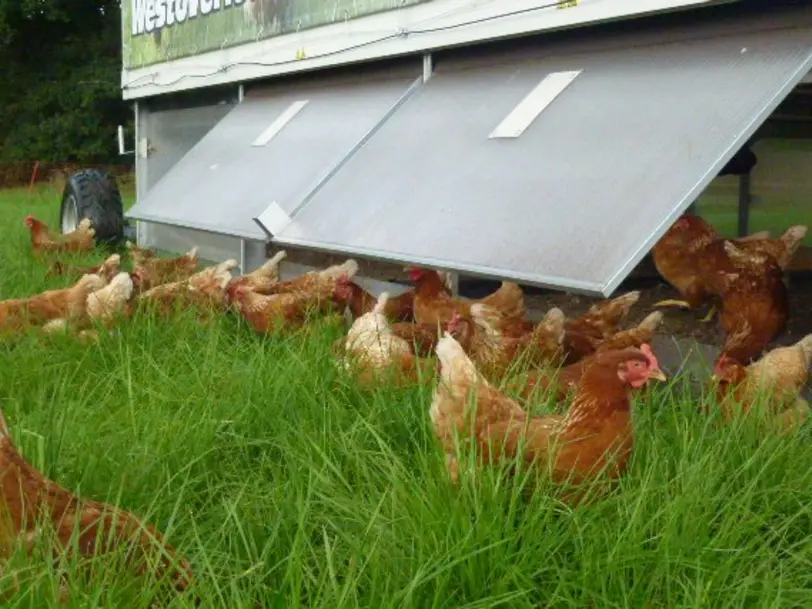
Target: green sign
161,30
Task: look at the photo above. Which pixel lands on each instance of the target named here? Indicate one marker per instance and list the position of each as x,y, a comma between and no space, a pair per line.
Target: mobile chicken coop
551,143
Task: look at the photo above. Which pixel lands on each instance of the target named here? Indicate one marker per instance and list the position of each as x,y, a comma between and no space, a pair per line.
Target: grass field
286,486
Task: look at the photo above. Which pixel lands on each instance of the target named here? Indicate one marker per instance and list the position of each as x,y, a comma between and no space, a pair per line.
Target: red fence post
33,177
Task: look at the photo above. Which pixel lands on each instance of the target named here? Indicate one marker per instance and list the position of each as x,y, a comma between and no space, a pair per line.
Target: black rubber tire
97,197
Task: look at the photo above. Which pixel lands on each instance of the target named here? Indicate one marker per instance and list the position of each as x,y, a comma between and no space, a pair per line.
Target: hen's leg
711,314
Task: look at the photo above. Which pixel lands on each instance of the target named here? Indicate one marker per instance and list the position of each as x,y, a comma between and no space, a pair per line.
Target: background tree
60,63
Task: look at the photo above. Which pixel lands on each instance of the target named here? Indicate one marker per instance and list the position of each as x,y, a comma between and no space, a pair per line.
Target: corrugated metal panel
232,174
580,197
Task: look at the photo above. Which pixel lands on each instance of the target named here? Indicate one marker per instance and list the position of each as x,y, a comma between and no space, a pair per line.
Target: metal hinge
144,149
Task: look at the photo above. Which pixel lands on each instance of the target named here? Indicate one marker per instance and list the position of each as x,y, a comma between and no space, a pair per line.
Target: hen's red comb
649,353
722,362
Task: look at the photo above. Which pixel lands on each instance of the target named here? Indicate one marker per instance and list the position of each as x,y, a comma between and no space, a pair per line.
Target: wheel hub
70,215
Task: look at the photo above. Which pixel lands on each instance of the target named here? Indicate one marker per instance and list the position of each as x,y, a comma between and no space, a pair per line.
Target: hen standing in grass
359,302
105,304
205,291
373,349
44,241
102,306
779,376
433,305
755,303
291,302
264,278
561,382
584,333
691,245
595,435
139,255
32,502
495,355
315,284
66,303
153,272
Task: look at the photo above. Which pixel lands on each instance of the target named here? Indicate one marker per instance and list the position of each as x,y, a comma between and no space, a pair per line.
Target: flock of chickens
479,350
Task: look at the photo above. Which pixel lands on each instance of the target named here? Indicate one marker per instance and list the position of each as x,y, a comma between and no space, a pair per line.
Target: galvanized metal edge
215,230
553,283
757,120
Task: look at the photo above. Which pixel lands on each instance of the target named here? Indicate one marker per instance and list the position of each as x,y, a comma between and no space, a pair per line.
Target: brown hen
755,304
373,350
44,241
205,291
596,434
155,271
262,278
778,378
434,305
359,301
32,502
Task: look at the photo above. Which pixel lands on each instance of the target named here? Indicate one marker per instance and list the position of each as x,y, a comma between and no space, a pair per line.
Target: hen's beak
658,375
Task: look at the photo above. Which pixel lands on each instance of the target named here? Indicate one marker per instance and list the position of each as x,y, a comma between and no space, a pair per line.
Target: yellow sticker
567,4
300,54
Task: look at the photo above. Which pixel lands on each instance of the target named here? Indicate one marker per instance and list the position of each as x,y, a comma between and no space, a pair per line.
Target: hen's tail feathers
615,310
381,304
555,317
114,260
793,237
509,298
228,265
794,233
223,272
627,301
348,268
651,322
274,262
806,346
85,225
553,323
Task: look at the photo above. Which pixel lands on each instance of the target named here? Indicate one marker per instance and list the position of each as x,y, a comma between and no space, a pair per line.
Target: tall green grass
287,486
